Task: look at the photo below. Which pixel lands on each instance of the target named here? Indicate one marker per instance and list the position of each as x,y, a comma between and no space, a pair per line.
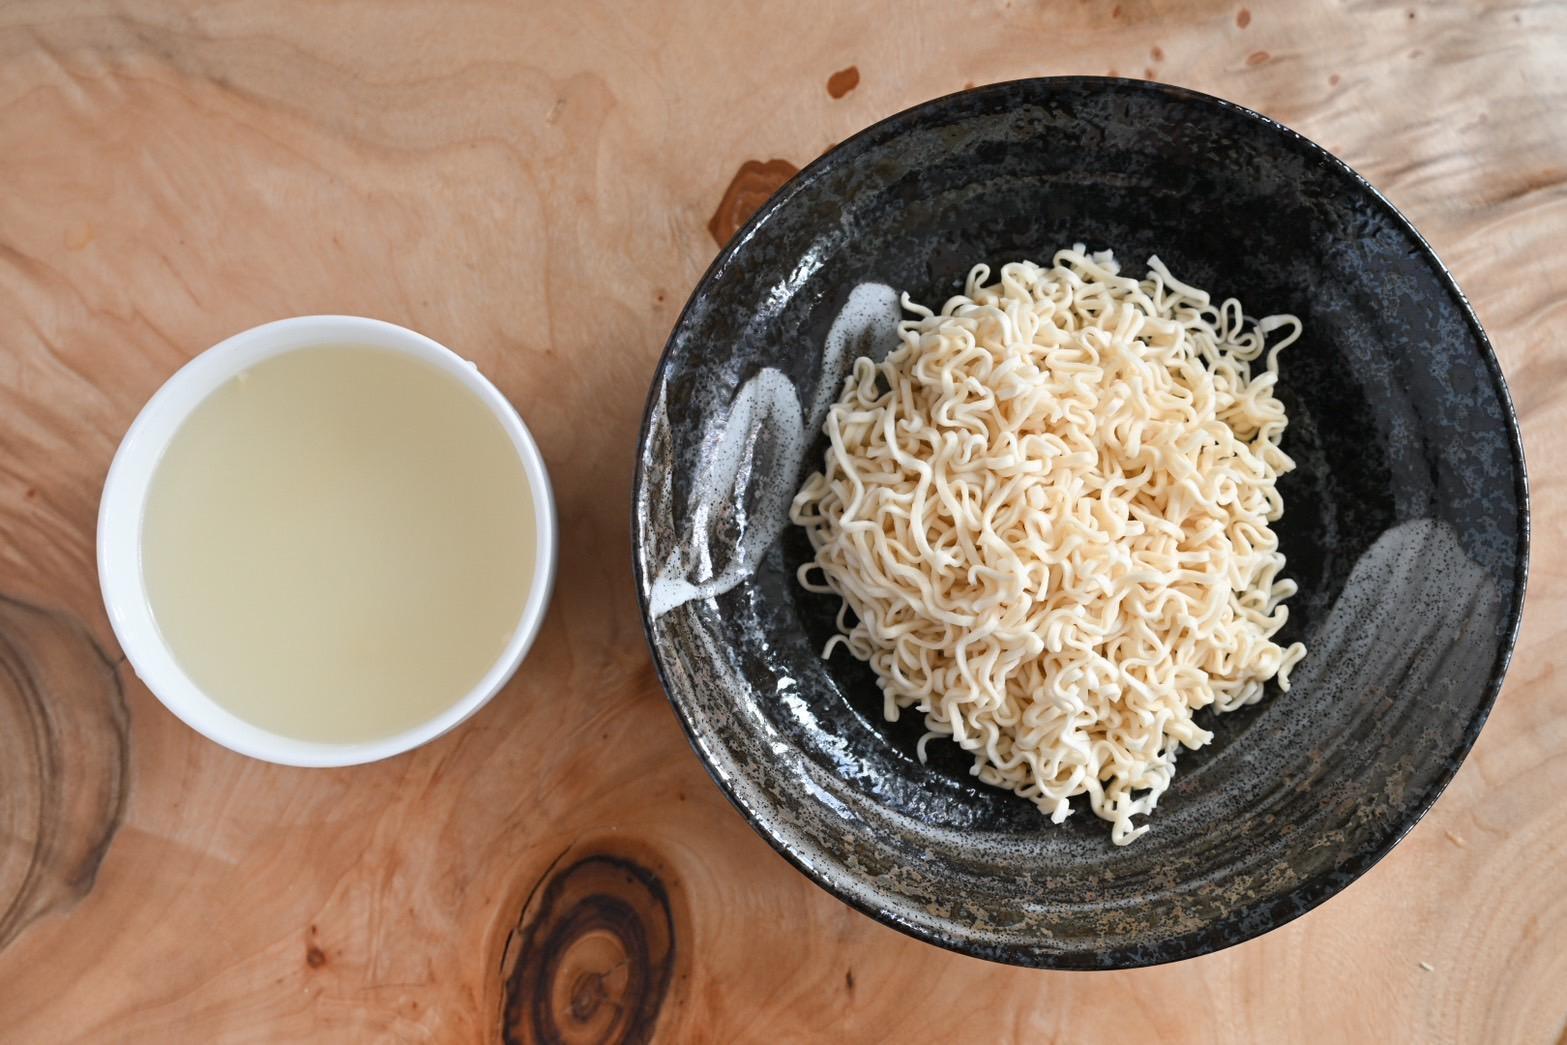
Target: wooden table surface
539,186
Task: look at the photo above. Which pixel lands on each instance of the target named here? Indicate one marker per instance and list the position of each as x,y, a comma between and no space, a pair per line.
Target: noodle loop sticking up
1048,512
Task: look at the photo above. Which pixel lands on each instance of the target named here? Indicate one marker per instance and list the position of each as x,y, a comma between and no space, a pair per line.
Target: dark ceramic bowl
1405,525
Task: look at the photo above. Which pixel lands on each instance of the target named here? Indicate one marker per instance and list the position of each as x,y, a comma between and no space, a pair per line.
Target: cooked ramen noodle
1047,513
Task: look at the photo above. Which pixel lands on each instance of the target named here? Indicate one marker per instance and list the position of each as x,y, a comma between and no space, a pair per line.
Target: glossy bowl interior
1405,526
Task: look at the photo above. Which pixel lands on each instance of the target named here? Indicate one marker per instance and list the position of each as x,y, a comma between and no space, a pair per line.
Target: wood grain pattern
532,184
63,739
593,955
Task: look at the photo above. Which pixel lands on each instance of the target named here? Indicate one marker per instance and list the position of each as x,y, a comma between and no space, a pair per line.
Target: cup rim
120,520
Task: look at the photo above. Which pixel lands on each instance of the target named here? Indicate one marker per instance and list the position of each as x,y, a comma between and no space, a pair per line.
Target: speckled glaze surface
1406,522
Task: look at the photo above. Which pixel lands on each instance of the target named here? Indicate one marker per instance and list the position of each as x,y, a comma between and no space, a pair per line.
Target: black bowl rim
1245,923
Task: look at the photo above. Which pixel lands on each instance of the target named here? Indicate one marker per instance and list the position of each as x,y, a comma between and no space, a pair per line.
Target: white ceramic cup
125,496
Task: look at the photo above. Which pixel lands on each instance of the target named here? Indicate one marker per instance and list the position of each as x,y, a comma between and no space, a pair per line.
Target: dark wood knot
843,81
64,762
753,185
595,957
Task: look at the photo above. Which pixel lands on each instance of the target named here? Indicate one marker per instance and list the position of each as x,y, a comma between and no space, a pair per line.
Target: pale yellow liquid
338,543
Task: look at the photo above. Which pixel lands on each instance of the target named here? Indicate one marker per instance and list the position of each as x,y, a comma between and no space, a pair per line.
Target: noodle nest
1047,513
